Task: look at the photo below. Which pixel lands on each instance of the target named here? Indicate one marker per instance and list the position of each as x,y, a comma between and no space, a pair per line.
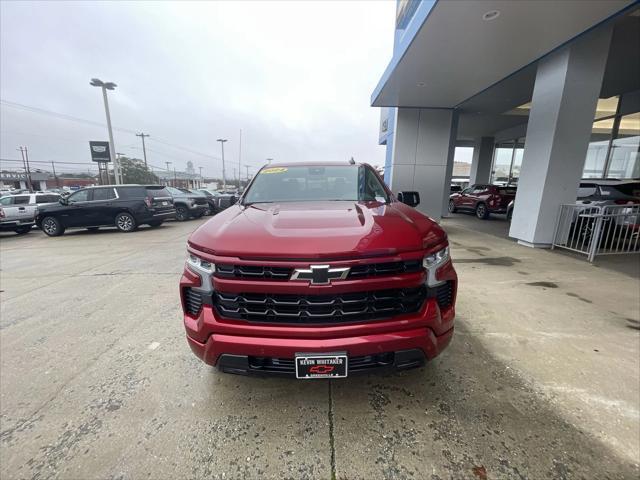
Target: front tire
482,212
52,227
125,222
23,230
452,207
182,214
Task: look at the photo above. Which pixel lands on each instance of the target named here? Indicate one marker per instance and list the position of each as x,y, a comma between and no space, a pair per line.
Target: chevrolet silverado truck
318,271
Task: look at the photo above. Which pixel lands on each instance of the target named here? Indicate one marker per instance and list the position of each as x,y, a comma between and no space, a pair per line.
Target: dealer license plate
321,365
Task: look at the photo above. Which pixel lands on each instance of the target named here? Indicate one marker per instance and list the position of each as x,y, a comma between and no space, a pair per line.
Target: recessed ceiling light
421,84
491,15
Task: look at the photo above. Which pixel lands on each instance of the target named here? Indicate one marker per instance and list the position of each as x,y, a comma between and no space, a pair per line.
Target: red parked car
318,271
483,200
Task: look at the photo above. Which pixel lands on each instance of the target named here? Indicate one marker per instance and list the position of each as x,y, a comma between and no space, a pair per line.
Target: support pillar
563,107
423,149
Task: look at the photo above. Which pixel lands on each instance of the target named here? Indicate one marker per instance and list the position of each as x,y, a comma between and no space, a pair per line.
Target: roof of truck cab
314,164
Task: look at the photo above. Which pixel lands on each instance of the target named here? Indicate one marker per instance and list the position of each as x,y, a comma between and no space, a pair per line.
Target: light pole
201,178
95,82
224,173
269,160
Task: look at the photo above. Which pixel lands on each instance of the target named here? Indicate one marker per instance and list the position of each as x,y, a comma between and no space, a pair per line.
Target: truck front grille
258,272
320,309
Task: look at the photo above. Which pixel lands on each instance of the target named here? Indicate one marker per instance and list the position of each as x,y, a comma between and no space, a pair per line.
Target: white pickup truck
18,212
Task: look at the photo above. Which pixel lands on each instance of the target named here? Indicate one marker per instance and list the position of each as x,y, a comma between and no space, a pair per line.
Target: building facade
547,93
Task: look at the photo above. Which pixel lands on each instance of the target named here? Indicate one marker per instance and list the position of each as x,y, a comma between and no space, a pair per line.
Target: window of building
507,160
614,147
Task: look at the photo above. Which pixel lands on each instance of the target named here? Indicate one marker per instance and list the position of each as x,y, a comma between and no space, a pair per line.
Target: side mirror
63,201
409,198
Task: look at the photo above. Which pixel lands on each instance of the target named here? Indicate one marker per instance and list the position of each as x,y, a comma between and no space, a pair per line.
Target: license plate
321,365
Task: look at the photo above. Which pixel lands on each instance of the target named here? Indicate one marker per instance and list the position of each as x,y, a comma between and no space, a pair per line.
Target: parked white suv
18,212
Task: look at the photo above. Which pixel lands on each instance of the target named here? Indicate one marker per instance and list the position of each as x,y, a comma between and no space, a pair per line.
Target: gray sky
296,77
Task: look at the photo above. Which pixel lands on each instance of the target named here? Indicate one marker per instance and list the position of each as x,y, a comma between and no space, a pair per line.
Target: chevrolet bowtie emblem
320,274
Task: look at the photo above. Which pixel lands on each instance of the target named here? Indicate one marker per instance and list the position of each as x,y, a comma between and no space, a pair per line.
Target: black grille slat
387,268
443,294
192,301
323,309
365,362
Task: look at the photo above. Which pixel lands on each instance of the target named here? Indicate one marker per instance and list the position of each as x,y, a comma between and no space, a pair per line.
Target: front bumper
235,354
233,345
13,224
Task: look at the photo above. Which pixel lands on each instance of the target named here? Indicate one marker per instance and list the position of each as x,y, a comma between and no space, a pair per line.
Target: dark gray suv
123,206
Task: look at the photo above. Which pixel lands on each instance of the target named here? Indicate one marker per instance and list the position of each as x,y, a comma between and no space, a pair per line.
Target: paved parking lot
97,381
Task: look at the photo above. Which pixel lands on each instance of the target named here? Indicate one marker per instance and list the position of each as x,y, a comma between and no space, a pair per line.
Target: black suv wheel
52,226
125,222
482,212
182,213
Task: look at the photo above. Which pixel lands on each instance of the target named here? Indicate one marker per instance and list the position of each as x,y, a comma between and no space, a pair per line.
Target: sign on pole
100,151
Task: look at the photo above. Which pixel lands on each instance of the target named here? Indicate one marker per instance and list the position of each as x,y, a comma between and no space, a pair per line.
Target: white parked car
18,212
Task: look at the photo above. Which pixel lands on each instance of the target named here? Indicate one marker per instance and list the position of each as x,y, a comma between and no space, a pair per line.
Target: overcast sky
296,77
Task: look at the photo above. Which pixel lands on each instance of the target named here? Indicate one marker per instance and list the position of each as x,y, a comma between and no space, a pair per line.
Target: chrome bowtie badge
320,274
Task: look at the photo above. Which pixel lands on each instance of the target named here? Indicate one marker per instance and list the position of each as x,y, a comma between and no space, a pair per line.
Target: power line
63,116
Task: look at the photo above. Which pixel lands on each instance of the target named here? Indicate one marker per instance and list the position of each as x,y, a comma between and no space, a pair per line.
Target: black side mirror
409,198
63,201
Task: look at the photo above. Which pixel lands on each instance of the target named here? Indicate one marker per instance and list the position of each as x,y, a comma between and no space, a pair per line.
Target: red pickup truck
318,271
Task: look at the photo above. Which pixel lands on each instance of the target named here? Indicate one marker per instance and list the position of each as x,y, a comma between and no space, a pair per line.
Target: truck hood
309,230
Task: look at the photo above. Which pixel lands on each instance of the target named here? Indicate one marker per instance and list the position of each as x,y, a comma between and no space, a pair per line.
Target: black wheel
452,206
93,229
182,213
125,222
155,223
23,230
52,226
482,212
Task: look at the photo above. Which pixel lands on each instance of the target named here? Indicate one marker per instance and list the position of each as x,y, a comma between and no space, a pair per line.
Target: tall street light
224,173
95,82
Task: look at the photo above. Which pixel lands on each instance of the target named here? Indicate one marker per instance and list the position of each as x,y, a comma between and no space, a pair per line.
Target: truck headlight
436,258
431,263
200,265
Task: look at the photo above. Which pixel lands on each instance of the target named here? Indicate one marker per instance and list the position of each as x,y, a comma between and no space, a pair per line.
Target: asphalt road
97,381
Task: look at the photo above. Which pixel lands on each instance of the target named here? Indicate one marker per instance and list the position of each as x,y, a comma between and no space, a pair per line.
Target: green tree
135,171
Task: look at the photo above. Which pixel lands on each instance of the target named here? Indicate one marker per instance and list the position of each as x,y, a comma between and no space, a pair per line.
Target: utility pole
53,166
247,167
240,159
269,160
95,82
25,164
168,170
224,173
144,150
201,178
175,177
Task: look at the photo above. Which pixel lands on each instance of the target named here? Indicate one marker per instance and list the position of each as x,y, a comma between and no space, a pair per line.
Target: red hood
317,230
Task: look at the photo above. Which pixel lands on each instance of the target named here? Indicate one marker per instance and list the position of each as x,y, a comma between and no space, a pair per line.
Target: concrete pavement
97,381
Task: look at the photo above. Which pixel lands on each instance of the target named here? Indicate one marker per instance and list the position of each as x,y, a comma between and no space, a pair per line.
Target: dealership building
546,93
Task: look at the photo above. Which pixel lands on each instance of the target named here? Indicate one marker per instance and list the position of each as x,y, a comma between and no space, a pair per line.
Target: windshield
304,183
